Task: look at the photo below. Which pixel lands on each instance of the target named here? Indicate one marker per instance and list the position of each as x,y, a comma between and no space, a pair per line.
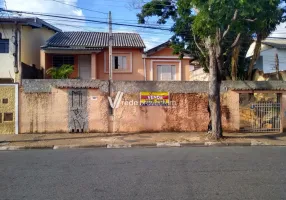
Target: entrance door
84,66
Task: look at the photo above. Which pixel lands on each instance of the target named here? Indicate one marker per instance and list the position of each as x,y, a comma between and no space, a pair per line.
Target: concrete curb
143,145
118,146
169,144
78,146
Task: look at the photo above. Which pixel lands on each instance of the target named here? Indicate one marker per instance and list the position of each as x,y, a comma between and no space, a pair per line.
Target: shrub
62,72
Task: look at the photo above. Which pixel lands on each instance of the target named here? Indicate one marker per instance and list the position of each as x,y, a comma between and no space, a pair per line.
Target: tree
62,72
213,30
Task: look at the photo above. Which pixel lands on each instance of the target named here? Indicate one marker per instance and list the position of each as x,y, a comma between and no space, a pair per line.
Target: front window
60,60
4,46
119,62
166,72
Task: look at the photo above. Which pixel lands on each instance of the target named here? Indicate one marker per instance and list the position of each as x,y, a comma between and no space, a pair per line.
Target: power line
85,20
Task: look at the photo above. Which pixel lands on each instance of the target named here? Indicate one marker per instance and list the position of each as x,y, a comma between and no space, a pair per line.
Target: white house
269,49
20,42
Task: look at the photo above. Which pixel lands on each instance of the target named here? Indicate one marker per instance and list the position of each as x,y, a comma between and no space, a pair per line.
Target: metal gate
266,117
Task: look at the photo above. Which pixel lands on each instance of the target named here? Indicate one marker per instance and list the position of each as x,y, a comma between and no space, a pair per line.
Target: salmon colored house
88,53
161,64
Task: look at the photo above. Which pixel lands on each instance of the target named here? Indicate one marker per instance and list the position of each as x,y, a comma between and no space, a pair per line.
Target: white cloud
280,31
51,7
78,12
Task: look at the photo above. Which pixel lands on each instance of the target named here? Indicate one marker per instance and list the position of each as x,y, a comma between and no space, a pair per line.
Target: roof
158,48
268,44
89,40
29,21
276,43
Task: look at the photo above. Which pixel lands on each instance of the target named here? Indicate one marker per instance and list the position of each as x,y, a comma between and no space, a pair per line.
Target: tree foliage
62,72
196,20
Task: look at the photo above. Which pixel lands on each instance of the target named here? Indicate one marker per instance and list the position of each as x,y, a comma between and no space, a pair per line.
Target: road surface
167,173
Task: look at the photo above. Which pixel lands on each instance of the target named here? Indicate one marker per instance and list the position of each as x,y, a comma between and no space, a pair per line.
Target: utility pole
110,47
277,65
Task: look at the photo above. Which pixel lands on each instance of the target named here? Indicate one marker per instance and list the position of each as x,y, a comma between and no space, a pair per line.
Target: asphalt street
135,173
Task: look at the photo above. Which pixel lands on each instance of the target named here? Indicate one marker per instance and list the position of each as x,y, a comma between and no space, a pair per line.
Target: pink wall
43,112
136,73
49,113
189,115
283,111
160,58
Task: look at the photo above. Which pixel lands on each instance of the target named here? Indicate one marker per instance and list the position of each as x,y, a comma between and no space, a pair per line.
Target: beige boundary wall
61,106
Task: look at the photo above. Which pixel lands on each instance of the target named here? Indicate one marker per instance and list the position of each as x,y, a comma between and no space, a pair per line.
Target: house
160,64
89,54
20,41
267,59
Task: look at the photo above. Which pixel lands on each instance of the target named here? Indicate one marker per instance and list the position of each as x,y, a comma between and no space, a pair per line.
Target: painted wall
164,53
47,107
189,114
63,110
268,60
134,72
7,59
56,110
199,75
31,41
7,106
283,111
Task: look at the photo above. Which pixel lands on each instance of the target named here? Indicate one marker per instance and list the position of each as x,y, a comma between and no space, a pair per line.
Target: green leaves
62,72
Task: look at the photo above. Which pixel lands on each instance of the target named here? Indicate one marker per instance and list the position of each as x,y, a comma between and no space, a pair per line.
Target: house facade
88,53
269,49
160,64
20,41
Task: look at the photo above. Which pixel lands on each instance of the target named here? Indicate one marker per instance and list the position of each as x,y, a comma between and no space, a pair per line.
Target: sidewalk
105,140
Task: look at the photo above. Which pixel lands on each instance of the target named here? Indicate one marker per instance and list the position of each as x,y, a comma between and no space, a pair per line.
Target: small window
60,60
8,117
0,117
5,101
4,46
119,62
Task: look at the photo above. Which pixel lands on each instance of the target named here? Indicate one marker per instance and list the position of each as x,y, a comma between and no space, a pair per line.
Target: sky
122,12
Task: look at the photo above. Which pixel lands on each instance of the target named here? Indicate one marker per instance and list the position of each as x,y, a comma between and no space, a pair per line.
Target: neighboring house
160,64
20,42
88,53
197,72
269,48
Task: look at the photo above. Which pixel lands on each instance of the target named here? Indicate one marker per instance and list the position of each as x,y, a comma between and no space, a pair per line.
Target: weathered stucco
44,112
45,105
7,106
188,113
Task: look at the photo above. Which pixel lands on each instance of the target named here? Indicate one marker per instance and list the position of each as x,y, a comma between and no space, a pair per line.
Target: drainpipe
17,53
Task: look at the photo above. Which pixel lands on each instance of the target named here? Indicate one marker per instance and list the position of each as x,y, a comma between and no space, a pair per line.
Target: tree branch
228,27
236,40
201,50
251,20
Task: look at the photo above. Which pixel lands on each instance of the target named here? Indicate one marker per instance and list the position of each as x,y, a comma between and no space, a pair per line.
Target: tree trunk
214,92
234,62
256,54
